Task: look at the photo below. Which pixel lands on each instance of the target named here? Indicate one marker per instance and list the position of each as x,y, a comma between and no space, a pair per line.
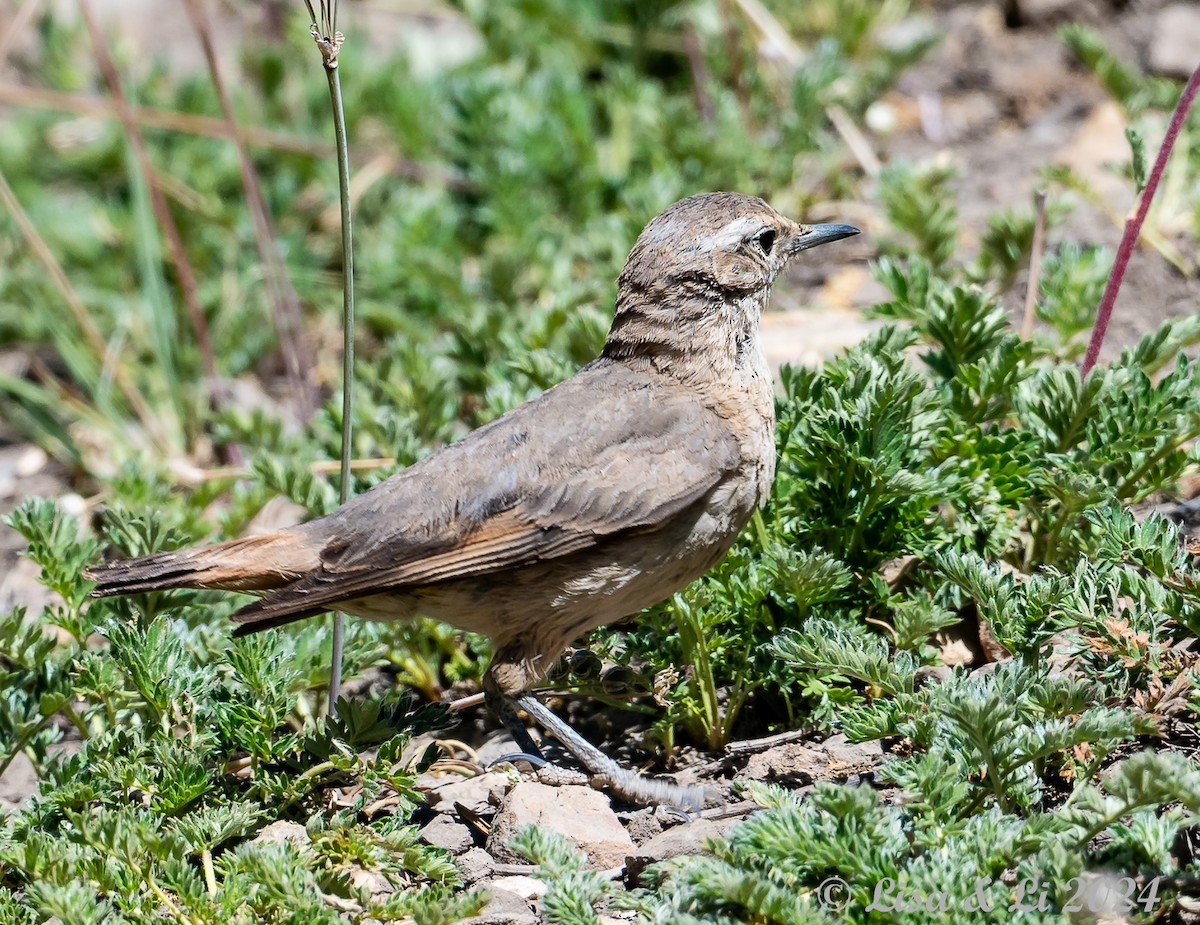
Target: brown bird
602,496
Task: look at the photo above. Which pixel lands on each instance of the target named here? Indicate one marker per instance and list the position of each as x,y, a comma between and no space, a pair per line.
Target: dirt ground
1000,99
1013,101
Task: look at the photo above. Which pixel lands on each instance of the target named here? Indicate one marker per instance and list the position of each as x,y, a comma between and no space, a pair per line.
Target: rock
641,824
19,585
524,887
581,815
277,514
881,118
845,757
554,775
475,865
811,336
29,461
375,884
908,31
800,764
1043,12
508,901
18,783
1098,143
932,674
479,793
504,908
1175,46
447,833
1065,648
71,504
958,645
498,745
681,841
993,649
280,831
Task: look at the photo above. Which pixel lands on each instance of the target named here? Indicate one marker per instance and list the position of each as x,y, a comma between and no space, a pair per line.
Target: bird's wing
608,451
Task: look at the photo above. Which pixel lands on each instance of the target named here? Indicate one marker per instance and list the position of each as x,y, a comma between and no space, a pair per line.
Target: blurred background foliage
495,202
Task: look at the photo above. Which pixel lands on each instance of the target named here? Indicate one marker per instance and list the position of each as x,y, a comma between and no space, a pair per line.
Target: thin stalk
210,874
321,465
335,96
82,316
329,41
19,746
1128,484
737,699
695,653
737,66
77,721
855,140
759,524
1134,225
21,18
701,77
160,894
1036,251
83,104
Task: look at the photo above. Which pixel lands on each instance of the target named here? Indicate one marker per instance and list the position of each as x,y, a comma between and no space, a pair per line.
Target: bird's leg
503,697
504,708
624,783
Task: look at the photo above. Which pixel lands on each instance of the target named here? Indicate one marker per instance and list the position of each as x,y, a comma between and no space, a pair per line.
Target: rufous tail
254,563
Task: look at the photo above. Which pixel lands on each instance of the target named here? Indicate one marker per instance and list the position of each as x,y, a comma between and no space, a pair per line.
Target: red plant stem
1133,226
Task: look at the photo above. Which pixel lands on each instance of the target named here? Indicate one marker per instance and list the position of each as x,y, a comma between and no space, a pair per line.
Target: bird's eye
765,239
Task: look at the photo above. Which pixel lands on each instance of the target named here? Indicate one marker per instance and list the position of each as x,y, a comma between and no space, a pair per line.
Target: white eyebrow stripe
734,232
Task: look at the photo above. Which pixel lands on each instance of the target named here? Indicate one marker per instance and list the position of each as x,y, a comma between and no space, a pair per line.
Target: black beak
814,235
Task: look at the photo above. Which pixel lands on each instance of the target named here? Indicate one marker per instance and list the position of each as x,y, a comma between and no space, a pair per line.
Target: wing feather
604,453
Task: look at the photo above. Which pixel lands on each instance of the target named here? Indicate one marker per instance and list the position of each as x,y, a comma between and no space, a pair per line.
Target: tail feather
254,563
262,615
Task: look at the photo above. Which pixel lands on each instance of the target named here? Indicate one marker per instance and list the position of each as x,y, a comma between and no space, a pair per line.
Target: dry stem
82,316
297,357
162,212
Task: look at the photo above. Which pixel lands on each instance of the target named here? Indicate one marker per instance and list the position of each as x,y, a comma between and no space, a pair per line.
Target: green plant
993,452
180,749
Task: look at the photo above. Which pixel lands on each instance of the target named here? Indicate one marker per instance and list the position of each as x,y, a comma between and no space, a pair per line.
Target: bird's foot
606,773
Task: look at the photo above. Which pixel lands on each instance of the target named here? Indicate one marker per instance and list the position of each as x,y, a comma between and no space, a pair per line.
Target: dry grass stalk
166,221
82,104
286,313
16,26
82,316
1036,251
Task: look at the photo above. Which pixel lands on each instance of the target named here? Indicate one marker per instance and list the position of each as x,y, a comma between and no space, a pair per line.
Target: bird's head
725,241
701,273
